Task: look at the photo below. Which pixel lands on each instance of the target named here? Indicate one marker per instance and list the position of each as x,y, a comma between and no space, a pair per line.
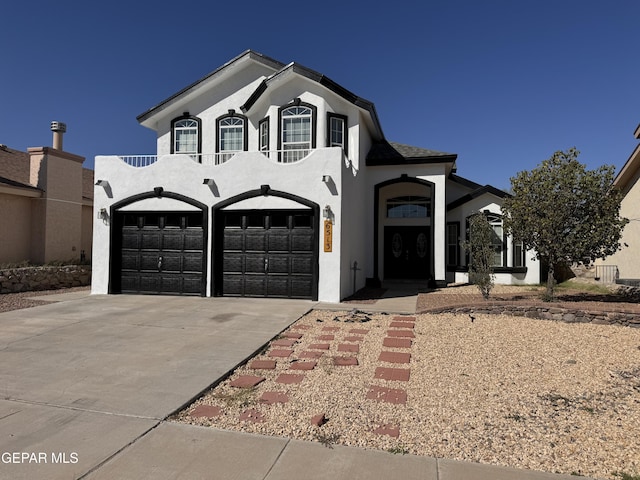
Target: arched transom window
231,136
186,132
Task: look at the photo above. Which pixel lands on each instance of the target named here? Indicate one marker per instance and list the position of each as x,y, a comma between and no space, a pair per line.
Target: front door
407,251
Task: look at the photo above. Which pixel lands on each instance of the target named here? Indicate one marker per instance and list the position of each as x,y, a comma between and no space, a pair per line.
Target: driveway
82,379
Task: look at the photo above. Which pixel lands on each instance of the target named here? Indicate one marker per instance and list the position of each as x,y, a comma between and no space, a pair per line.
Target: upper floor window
297,131
408,207
263,136
232,136
337,131
185,135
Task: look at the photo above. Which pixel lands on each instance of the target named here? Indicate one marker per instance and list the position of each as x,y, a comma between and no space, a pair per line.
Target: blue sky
502,83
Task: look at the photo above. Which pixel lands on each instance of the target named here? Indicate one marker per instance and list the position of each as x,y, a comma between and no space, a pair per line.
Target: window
408,207
232,136
497,240
453,249
185,135
336,131
297,131
263,141
518,254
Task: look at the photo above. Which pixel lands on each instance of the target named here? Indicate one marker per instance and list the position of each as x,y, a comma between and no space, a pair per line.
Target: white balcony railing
209,159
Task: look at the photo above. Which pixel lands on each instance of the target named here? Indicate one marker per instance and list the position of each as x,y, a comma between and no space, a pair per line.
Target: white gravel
541,395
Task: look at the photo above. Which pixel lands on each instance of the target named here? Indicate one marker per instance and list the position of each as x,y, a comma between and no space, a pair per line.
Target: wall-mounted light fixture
102,183
208,181
103,215
326,178
327,213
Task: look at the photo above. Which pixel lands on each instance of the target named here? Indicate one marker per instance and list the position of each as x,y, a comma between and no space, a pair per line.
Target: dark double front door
407,252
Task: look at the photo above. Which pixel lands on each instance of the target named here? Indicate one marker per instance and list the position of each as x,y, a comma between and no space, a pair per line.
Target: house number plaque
328,235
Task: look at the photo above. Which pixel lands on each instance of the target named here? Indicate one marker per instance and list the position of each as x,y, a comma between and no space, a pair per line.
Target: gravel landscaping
512,391
17,301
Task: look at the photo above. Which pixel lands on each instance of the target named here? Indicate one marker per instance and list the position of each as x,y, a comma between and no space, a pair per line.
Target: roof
391,153
478,192
246,55
464,181
631,166
12,183
14,165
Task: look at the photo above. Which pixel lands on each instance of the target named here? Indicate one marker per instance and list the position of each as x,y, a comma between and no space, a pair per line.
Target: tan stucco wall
628,259
15,233
87,230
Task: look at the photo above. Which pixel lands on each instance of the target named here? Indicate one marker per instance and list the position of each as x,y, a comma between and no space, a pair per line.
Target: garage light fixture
327,213
326,178
209,182
102,183
103,215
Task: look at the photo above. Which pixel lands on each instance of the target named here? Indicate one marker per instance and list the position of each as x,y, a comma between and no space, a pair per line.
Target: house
46,204
272,180
626,262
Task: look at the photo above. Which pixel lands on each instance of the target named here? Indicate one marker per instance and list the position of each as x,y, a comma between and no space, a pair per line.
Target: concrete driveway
80,380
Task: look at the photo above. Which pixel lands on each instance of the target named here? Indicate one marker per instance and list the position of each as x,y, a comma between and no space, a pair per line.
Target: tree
481,251
564,212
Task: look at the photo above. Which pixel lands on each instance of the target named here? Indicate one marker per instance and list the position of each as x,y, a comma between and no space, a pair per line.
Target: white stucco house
272,180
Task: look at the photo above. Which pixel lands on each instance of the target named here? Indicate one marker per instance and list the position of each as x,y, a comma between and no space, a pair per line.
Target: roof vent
58,127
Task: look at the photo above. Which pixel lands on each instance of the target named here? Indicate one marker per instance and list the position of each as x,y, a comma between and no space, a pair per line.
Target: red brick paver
348,347
280,353
307,354
326,337
398,374
404,319
263,365
395,357
345,361
359,331
274,397
389,395
318,420
296,336
353,338
388,429
330,329
400,333
246,381
252,415
409,325
289,378
303,365
319,346
397,342
208,411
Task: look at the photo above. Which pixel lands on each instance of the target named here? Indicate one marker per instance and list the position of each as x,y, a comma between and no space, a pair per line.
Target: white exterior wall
244,172
480,204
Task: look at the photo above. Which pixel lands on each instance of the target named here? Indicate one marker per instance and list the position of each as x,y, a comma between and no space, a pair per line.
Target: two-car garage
254,253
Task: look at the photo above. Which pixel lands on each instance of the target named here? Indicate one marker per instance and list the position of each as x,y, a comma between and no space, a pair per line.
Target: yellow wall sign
328,235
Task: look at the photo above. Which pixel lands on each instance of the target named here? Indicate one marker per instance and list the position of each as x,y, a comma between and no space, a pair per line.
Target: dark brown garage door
161,253
268,254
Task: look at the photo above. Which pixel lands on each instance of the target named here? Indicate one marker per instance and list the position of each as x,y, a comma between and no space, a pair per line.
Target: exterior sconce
326,178
209,182
103,215
102,183
327,213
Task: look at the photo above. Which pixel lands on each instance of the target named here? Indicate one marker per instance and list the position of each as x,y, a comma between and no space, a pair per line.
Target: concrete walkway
86,384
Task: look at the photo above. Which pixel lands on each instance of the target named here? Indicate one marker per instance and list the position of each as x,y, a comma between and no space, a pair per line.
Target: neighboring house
272,180
46,204
627,260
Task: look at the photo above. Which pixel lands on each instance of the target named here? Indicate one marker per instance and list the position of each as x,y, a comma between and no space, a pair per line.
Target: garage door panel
233,263
254,263
192,262
255,242
194,240
233,240
279,241
302,242
302,264
159,253
254,285
286,239
150,240
173,241
279,263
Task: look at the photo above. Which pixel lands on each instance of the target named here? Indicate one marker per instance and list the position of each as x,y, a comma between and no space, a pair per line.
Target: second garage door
267,254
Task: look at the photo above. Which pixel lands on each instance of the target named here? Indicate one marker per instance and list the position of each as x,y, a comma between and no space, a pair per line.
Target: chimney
58,128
